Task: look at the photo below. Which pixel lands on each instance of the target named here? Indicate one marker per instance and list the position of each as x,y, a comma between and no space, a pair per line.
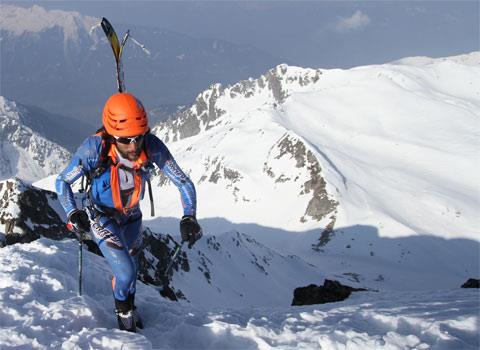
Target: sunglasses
129,140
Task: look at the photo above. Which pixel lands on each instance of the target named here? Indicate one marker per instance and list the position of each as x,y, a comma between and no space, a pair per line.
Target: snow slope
370,172
397,145
39,309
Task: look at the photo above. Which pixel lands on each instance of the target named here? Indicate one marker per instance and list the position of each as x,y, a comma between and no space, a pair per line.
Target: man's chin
132,156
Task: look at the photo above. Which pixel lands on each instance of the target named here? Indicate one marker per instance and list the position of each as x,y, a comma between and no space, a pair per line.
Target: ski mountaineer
117,162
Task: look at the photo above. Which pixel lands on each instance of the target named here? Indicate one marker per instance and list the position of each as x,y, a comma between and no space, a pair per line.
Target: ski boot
137,318
136,315
124,311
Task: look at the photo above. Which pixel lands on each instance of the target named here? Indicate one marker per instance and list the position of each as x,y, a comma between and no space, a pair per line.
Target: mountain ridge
26,153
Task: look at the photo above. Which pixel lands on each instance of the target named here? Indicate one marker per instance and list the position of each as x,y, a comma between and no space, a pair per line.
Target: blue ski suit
118,234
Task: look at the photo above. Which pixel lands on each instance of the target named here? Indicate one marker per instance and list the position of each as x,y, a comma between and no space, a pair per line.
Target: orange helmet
124,115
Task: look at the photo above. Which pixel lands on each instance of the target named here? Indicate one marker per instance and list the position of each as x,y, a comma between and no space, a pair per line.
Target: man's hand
80,222
190,230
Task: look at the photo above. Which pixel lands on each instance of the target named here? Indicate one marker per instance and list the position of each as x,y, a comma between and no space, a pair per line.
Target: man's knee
124,284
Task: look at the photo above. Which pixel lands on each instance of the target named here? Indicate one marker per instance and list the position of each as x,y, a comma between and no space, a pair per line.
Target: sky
318,34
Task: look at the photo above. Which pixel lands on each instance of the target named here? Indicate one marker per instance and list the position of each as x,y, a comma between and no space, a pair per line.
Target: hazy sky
307,33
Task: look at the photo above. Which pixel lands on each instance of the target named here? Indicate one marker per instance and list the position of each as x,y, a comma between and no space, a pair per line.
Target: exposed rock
26,213
203,115
294,148
275,84
154,258
215,176
472,283
190,122
326,235
215,171
331,291
231,175
320,204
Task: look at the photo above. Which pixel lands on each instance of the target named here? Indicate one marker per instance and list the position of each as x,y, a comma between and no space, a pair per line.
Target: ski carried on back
117,48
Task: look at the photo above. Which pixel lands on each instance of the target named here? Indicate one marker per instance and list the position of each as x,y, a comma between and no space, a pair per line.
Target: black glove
190,230
80,222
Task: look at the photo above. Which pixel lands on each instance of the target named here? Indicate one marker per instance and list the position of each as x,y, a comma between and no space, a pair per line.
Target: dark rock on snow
331,291
472,283
26,213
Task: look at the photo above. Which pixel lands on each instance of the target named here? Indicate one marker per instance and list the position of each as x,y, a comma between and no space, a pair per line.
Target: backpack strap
104,161
149,183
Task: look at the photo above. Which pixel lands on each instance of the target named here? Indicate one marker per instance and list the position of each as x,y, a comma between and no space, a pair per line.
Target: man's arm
81,163
161,156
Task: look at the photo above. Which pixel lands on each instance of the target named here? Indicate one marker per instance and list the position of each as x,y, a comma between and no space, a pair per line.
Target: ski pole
80,264
79,234
174,256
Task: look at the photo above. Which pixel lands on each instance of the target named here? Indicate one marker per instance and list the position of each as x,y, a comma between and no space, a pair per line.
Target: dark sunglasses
129,140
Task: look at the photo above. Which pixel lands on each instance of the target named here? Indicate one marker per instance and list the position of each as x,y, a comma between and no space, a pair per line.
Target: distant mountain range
62,62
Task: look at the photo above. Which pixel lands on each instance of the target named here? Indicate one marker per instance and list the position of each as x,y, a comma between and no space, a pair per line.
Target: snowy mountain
24,152
370,171
283,129
240,149
62,62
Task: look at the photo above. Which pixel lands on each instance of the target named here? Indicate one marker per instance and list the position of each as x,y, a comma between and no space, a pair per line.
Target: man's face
130,147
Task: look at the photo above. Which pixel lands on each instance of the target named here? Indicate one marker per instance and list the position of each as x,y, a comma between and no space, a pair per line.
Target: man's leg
109,236
133,236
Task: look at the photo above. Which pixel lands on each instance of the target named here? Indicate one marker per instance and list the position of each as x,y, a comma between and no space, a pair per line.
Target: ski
117,48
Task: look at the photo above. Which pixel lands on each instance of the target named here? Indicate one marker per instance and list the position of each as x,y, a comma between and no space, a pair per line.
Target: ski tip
106,25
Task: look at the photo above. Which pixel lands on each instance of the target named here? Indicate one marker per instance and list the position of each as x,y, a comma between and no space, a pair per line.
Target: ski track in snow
40,309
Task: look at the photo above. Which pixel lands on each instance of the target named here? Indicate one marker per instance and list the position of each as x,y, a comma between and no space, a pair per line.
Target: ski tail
117,48
112,38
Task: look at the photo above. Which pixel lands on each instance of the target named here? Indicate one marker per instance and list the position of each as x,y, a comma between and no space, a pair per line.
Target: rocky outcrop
26,214
330,292
472,283
274,87
326,236
154,258
306,170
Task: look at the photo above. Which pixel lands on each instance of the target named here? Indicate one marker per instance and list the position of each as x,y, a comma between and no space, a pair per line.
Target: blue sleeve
81,163
161,156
